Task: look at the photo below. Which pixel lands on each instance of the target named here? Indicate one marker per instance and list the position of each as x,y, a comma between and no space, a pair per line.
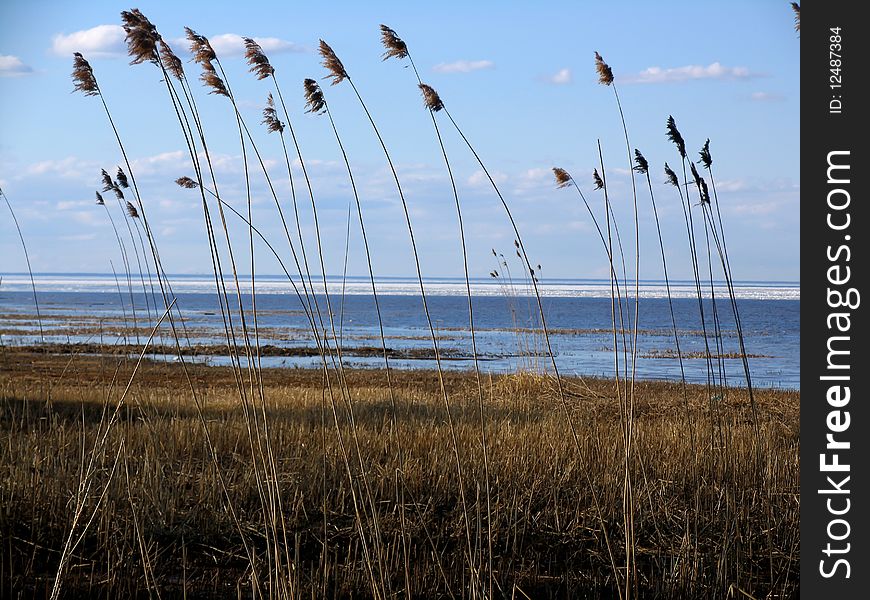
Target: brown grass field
716,520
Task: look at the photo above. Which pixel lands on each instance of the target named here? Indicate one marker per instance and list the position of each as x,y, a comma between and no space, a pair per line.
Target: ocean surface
94,308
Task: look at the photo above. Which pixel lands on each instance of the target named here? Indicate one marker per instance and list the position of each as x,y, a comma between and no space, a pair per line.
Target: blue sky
519,78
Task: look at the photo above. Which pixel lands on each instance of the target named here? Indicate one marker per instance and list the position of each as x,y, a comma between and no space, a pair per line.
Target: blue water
578,314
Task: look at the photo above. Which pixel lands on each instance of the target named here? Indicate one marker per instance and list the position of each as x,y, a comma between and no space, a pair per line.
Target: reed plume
270,117
332,64
186,182
314,100
170,61
563,179
83,76
141,37
706,158
121,178
796,8
671,177
596,179
431,98
675,137
259,63
605,74
395,46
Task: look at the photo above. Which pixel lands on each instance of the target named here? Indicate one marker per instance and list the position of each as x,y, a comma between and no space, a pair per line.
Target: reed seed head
640,163
270,117
605,74
131,210
100,201
212,80
142,37
186,182
396,47
705,192
431,98
118,193
671,176
599,183
83,76
257,60
107,180
563,178
332,64
121,177
314,100
797,16
200,47
706,158
675,137
170,61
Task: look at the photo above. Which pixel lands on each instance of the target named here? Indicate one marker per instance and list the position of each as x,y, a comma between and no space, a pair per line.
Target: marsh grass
547,539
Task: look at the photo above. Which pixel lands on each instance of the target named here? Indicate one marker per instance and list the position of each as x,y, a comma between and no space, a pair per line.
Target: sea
579,315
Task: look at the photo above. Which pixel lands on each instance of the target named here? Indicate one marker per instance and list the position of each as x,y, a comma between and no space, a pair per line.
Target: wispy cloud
232,44
766,97
463,66
715,70
70,167
102,41
561,77
12,66
479,178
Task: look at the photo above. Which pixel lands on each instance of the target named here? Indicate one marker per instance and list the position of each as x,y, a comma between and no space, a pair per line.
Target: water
81,307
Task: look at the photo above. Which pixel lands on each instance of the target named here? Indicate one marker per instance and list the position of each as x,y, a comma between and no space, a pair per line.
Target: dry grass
547,540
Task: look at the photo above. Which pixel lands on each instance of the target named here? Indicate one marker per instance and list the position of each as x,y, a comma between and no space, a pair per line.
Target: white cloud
101,41
766,97
12,66
70,167
562,77
232,44
159,163
688,73
479,178
463,66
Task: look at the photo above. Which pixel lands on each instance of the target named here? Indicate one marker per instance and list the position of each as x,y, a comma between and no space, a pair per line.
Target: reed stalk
27,260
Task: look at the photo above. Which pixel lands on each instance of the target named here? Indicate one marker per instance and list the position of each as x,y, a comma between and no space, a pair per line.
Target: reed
126,263
605,77
27,260
395,47
337,73
316,104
